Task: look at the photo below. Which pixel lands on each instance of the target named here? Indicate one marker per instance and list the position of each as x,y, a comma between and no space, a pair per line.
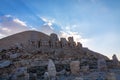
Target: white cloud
10,25
1,35
19,22
77,37
6,29
47,21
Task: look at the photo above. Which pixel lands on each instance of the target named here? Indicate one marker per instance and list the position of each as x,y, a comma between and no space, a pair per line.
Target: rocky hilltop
32,55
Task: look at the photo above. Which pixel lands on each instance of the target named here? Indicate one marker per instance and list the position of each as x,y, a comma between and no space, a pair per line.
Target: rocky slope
26,55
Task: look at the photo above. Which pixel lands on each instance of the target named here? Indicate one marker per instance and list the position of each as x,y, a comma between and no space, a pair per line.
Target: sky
94,23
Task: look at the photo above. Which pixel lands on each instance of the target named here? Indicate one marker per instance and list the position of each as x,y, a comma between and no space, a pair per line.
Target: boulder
111,76
13,56
75,67
78,78
51,69
20,74
115,61
5,63
46,76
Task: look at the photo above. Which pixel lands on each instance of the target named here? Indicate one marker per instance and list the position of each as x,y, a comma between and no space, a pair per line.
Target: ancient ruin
33,55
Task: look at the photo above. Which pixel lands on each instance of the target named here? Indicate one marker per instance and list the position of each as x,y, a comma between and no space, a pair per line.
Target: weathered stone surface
46,76
102,64
79,78
115,61
15,55
38,48
5,63
75,67
79,45
51,69
71,42
0,57
54,41
85,69
64,42
20,74
111,76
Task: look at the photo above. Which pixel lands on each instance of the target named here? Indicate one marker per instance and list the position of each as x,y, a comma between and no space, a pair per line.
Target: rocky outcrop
28,53
15,55
116,63
5,63
111,76
102,66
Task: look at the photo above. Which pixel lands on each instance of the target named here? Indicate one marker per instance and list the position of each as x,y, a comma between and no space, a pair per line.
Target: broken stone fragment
79,78
13,56
21,73
51,69
111,76
5,63
75,67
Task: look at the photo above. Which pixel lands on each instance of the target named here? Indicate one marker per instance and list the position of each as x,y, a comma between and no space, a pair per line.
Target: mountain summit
33,55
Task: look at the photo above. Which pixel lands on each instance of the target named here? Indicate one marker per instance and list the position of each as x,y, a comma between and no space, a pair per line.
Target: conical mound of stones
32,55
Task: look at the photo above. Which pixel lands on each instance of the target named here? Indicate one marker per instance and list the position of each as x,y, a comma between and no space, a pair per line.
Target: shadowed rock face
32,50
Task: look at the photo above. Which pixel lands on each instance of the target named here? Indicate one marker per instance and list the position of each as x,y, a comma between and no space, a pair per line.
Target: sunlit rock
75,67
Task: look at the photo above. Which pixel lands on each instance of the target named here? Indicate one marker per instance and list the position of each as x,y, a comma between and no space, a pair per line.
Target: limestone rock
51,69
115,61
85,69
79,78
5,63
79,45
71,42
111,76
64,42
46,76
20,74
75,67
13,56
102,64
53,40
0,57
114,57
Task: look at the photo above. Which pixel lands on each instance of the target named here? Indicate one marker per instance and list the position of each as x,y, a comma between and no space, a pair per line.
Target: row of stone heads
54,42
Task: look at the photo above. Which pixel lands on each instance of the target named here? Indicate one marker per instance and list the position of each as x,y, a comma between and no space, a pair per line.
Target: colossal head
54,37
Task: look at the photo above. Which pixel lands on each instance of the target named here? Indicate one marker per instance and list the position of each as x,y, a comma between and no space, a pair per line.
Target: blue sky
96,23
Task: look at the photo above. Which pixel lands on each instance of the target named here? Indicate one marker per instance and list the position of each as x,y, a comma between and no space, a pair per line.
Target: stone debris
111,76
4,63
15,55
38,56
102,66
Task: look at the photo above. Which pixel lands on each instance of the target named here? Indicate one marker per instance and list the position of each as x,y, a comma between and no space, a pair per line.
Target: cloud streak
10,25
